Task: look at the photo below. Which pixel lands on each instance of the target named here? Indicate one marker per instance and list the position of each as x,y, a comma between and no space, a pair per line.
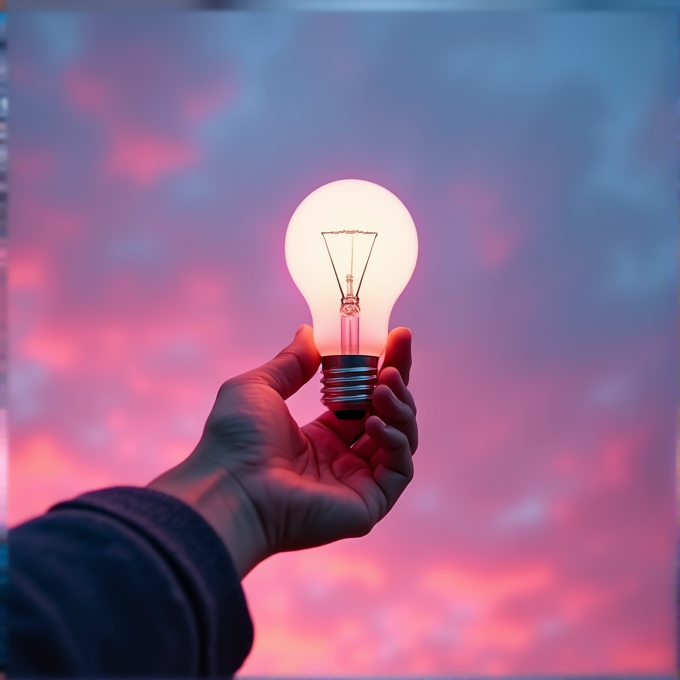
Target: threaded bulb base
348,382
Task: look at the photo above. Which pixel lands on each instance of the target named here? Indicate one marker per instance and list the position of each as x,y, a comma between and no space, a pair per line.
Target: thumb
292,367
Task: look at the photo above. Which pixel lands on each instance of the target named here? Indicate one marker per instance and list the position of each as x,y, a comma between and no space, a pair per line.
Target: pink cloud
149,135
334,570
85,91
485,589
30,165
42,471
145,159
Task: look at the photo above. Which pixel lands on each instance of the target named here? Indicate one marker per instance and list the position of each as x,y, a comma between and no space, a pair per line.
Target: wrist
221,500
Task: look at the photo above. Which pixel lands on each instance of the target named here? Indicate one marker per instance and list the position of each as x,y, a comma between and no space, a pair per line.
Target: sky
155,161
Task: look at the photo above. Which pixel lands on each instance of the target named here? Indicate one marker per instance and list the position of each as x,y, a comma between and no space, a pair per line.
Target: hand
268,486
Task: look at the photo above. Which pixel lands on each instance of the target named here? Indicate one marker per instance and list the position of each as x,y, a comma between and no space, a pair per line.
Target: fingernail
297,332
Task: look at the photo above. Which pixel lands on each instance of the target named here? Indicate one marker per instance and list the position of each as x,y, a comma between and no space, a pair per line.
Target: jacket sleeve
124,582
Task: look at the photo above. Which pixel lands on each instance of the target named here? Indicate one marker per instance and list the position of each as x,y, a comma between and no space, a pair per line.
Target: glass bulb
351,248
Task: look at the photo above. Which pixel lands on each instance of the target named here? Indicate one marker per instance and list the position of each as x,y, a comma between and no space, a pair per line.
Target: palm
322,490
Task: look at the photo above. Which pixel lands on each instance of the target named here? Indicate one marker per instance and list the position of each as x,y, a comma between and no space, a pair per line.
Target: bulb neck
348,382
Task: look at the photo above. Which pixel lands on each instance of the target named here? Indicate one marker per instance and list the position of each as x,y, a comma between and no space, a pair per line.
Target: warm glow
351,205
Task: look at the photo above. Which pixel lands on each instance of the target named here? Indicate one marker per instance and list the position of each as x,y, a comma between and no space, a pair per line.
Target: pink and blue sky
155,160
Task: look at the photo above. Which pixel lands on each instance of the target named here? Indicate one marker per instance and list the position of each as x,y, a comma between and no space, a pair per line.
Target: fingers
292,367
396,413
347,430
394,470
398,352
394,374
394,404
392,378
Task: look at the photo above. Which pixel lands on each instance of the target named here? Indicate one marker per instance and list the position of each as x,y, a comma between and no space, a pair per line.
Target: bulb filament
349,300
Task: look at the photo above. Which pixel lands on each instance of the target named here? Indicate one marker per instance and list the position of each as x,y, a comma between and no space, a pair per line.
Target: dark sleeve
124,582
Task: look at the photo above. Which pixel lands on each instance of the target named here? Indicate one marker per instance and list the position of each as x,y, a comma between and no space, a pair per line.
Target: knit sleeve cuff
199,558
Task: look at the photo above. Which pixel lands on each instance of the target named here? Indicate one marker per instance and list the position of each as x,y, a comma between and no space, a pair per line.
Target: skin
268,486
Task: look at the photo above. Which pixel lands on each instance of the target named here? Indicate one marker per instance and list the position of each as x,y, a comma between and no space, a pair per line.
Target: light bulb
351,247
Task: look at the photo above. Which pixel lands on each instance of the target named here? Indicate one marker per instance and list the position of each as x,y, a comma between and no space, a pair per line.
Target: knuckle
365,529
408,413
225,388
403,440
408,398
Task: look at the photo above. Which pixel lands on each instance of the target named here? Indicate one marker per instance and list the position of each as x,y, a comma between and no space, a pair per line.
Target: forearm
217,496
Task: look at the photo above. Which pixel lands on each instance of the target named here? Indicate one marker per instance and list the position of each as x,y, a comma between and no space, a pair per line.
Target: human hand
268,486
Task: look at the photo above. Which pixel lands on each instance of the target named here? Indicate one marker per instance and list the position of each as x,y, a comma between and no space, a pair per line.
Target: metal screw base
348,382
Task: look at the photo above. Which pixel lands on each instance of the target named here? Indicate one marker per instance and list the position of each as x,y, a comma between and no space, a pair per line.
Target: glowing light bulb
351,248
